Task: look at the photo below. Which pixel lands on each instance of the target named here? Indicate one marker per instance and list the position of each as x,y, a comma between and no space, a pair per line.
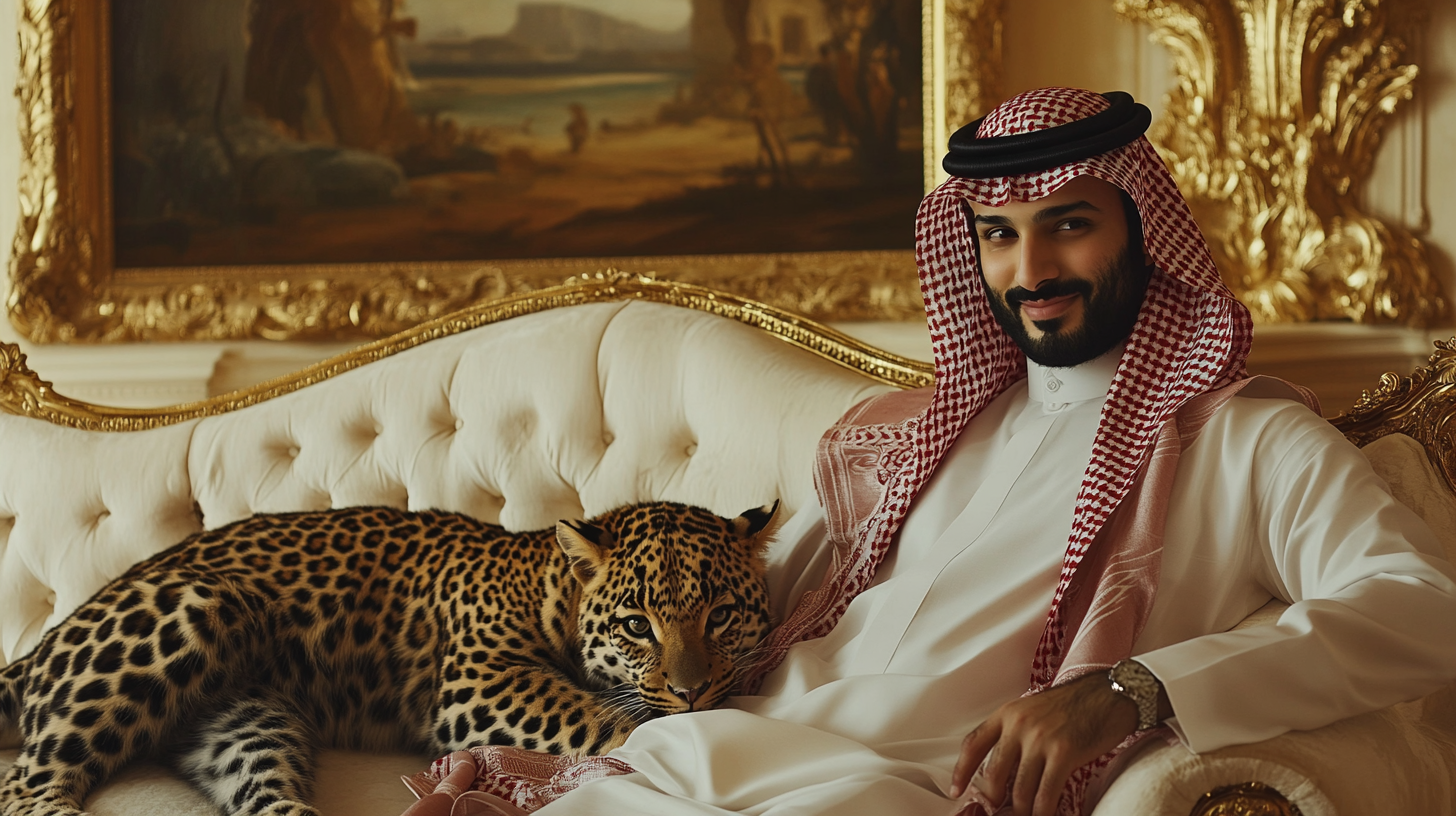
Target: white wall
1066,42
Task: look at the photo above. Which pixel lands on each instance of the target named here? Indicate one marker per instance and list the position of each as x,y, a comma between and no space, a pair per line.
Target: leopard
237,654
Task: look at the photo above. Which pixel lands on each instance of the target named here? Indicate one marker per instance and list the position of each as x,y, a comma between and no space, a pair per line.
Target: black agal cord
1120,124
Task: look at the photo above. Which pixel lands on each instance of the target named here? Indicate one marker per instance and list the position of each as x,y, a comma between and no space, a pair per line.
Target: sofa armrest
1384,762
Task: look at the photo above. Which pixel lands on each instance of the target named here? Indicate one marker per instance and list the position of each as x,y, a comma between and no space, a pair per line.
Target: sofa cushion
566,413
77,509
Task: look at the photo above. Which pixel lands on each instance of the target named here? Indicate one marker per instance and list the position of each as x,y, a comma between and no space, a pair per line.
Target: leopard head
673,598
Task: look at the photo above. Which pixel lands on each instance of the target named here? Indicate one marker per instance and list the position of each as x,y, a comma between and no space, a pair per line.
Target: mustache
1016,295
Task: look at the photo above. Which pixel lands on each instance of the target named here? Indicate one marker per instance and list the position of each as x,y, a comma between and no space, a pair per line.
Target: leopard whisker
626,700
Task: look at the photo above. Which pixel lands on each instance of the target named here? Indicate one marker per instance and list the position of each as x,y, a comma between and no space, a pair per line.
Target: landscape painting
268,132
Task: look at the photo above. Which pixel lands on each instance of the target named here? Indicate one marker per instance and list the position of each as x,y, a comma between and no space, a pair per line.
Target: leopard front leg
527,706
253,756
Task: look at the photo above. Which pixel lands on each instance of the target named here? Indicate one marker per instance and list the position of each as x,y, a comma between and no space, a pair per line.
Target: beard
1110,307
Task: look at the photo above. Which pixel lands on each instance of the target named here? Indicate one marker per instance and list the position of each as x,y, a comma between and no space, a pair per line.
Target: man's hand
1033,744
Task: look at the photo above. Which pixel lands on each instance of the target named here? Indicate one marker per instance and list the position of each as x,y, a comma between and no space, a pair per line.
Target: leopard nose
691,695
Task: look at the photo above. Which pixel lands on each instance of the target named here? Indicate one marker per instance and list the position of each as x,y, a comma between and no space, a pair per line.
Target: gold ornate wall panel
65,286
963,63
972,62
1271,129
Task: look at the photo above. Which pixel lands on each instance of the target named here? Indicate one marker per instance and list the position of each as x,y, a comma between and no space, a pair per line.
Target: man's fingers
974,749
996,772
1054,777
1026,785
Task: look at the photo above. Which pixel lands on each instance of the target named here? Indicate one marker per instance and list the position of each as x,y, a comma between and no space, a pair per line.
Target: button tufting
50,599
293,451
607,438
459,423
691,449
378,430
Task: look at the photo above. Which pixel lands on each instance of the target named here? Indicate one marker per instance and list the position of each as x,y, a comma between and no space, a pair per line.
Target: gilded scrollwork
19,386
1271,129
1244,799
25,394
1422,406
65,289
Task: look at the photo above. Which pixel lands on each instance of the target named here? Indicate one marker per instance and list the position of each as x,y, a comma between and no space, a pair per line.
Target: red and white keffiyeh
1185,357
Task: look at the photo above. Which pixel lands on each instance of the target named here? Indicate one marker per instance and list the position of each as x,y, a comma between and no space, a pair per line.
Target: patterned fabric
502,781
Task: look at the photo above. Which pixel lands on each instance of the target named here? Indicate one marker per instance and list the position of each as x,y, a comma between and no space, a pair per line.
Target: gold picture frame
65,286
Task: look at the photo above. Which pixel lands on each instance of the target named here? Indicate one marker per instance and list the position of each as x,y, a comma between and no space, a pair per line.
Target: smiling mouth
1048,309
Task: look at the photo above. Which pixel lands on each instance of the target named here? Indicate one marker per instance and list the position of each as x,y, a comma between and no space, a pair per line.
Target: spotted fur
238,653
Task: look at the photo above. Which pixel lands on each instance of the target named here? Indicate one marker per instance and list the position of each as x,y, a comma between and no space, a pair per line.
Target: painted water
540,106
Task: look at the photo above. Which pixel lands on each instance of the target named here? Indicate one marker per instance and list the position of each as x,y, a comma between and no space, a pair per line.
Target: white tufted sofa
557,412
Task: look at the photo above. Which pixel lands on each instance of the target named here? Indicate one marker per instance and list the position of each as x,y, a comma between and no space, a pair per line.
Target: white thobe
1269,501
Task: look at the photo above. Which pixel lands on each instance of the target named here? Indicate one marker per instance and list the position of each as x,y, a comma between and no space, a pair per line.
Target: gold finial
21,390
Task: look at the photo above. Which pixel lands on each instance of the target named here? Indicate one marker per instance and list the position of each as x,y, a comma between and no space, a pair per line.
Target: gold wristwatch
1132,680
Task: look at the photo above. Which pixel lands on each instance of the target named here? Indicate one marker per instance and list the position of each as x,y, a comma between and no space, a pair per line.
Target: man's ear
582,542
757,526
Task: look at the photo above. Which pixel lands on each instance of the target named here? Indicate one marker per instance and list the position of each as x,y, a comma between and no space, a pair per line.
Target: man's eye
1072,224
637,626
997,234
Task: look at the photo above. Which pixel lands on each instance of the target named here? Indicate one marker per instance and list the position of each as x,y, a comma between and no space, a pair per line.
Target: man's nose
1036,264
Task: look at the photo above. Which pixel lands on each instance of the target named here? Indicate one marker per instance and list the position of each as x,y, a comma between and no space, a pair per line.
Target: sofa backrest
560,414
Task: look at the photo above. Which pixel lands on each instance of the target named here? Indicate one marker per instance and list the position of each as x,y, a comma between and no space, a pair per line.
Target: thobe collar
1057,387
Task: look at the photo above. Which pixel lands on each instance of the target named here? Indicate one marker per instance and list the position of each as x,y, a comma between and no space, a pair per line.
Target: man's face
1064,278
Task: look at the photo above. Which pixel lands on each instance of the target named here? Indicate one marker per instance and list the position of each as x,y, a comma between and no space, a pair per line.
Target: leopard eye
637,626
719,616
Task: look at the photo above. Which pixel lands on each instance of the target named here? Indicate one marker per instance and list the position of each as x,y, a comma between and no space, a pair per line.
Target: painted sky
476,18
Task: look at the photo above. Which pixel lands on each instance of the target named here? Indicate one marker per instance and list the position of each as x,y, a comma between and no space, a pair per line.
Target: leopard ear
582,542
758,525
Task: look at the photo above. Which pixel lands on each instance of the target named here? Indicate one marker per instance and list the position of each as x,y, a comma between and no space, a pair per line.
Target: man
1087,524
